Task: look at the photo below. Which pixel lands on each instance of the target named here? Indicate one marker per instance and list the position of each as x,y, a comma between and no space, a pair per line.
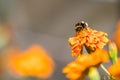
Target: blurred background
50,23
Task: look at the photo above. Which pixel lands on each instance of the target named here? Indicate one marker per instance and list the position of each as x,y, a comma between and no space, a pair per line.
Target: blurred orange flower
79,68
33,62
115,70
117,35
88,37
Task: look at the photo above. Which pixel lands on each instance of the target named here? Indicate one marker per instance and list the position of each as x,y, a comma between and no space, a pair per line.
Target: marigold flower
33,62
115,70
91,38
79,68
85,36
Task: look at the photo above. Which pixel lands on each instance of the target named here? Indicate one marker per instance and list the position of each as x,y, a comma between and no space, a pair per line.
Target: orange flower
34,62
117,34
115,70
92,39
79,68
76,47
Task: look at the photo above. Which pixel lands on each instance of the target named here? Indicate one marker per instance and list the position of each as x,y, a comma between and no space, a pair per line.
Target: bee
80,26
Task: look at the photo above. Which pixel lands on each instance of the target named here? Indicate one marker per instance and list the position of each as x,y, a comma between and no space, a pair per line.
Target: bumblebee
80,26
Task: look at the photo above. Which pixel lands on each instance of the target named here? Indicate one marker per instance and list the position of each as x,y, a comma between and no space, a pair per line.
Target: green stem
102,66
110,76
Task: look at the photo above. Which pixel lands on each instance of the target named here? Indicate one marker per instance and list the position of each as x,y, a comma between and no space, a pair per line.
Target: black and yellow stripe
80,26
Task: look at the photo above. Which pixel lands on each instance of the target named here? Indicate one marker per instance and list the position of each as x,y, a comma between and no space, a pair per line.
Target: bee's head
80,26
